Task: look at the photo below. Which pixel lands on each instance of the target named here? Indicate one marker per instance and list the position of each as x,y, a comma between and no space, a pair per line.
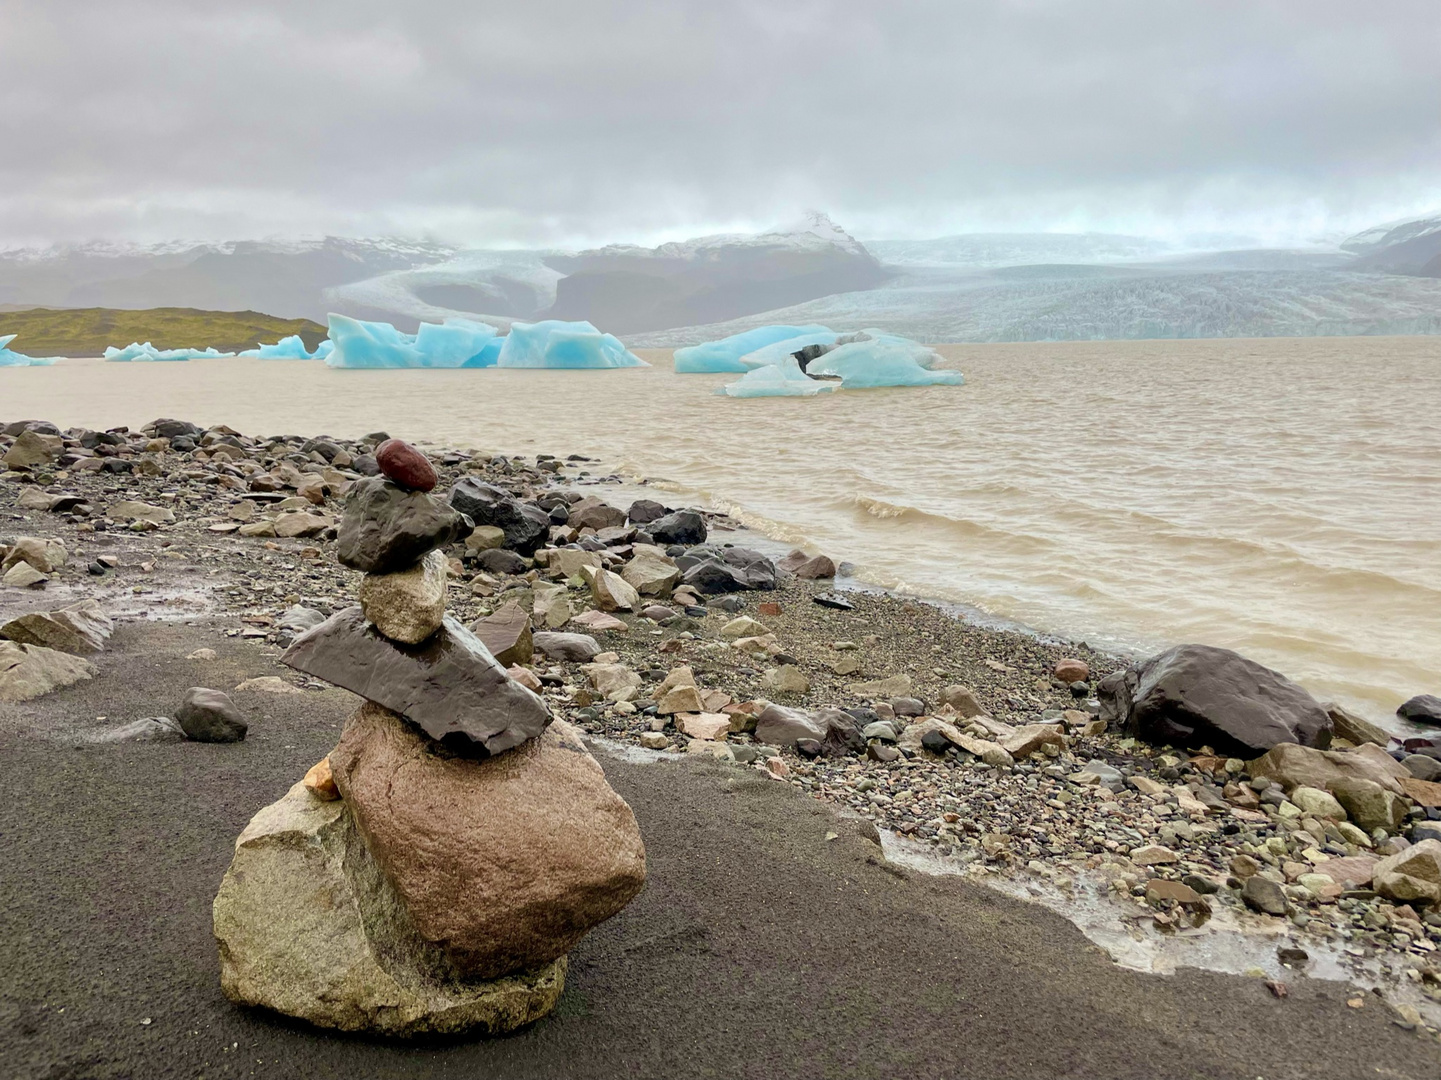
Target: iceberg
777,353
553,343
455,343
290,348
15,359
865,364
725,355
776,380
148,352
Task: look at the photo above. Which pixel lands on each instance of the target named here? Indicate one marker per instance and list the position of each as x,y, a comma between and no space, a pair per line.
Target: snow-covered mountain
286,278
1411,246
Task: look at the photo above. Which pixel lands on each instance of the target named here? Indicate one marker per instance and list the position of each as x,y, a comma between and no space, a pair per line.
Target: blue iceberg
864,364
456,343
148,352
553,343
811,363
781,350
725,355
290,348
15,359
776,380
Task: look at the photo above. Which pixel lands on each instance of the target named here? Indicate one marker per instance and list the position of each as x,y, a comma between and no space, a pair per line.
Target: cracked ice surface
456,343
553,343
725,354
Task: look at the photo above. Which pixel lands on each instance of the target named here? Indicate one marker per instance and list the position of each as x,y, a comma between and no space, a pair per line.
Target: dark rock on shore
386,528
1195,695
682,527
1421,709
210,716
449,684
644,511
712,570
406,465
526,527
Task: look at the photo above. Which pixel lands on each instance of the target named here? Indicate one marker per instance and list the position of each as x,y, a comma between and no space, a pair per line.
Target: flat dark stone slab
448,685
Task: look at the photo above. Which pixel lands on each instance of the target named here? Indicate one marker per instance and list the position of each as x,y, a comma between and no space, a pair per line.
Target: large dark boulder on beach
171,429
1199,695
503,863
682,527
385,528
449,685
210,716
1421,709
712,570
526,527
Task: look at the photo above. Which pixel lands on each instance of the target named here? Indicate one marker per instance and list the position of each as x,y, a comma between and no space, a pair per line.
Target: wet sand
758,948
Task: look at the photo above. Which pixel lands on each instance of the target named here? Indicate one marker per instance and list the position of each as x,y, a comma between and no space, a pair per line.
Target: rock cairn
431,874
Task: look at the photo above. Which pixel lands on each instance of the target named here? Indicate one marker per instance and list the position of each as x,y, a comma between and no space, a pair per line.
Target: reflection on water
1279,497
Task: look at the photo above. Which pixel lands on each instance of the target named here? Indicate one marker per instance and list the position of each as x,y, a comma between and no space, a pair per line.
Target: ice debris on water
148,352
461,343
725,355
8,358
290,348
818,359
455,343
776,380
553,343
864,364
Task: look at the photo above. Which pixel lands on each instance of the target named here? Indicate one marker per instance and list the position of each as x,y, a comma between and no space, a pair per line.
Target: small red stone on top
406,465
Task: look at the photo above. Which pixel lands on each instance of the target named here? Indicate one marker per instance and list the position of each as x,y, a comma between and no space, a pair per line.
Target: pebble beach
987,749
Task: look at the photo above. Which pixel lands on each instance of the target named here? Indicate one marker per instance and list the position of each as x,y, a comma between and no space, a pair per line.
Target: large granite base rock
1199,695
308,926
505,862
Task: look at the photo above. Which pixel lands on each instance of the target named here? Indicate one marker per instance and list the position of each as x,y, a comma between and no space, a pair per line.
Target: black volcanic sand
758,949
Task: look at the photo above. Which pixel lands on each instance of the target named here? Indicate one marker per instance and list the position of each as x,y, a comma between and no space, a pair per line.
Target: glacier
148,352
290,348
15,359
554,343
714,357
455,343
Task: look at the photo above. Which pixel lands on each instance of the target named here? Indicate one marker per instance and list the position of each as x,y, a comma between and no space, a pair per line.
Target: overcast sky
583,121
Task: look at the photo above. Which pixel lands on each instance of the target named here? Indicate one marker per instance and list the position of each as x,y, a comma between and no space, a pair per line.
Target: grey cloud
571,122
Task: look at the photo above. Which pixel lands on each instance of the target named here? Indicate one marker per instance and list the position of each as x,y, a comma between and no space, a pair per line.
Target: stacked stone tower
432,873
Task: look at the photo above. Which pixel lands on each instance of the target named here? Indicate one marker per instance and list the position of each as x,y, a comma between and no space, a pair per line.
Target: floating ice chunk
776,380
458,343
725,354
863,364
287,348
15,359
553,343
781,350
148,352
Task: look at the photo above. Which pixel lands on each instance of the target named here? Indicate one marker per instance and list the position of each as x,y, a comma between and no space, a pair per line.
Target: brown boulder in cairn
506,862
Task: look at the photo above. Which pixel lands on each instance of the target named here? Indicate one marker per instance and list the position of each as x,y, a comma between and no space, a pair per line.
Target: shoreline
1030,820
